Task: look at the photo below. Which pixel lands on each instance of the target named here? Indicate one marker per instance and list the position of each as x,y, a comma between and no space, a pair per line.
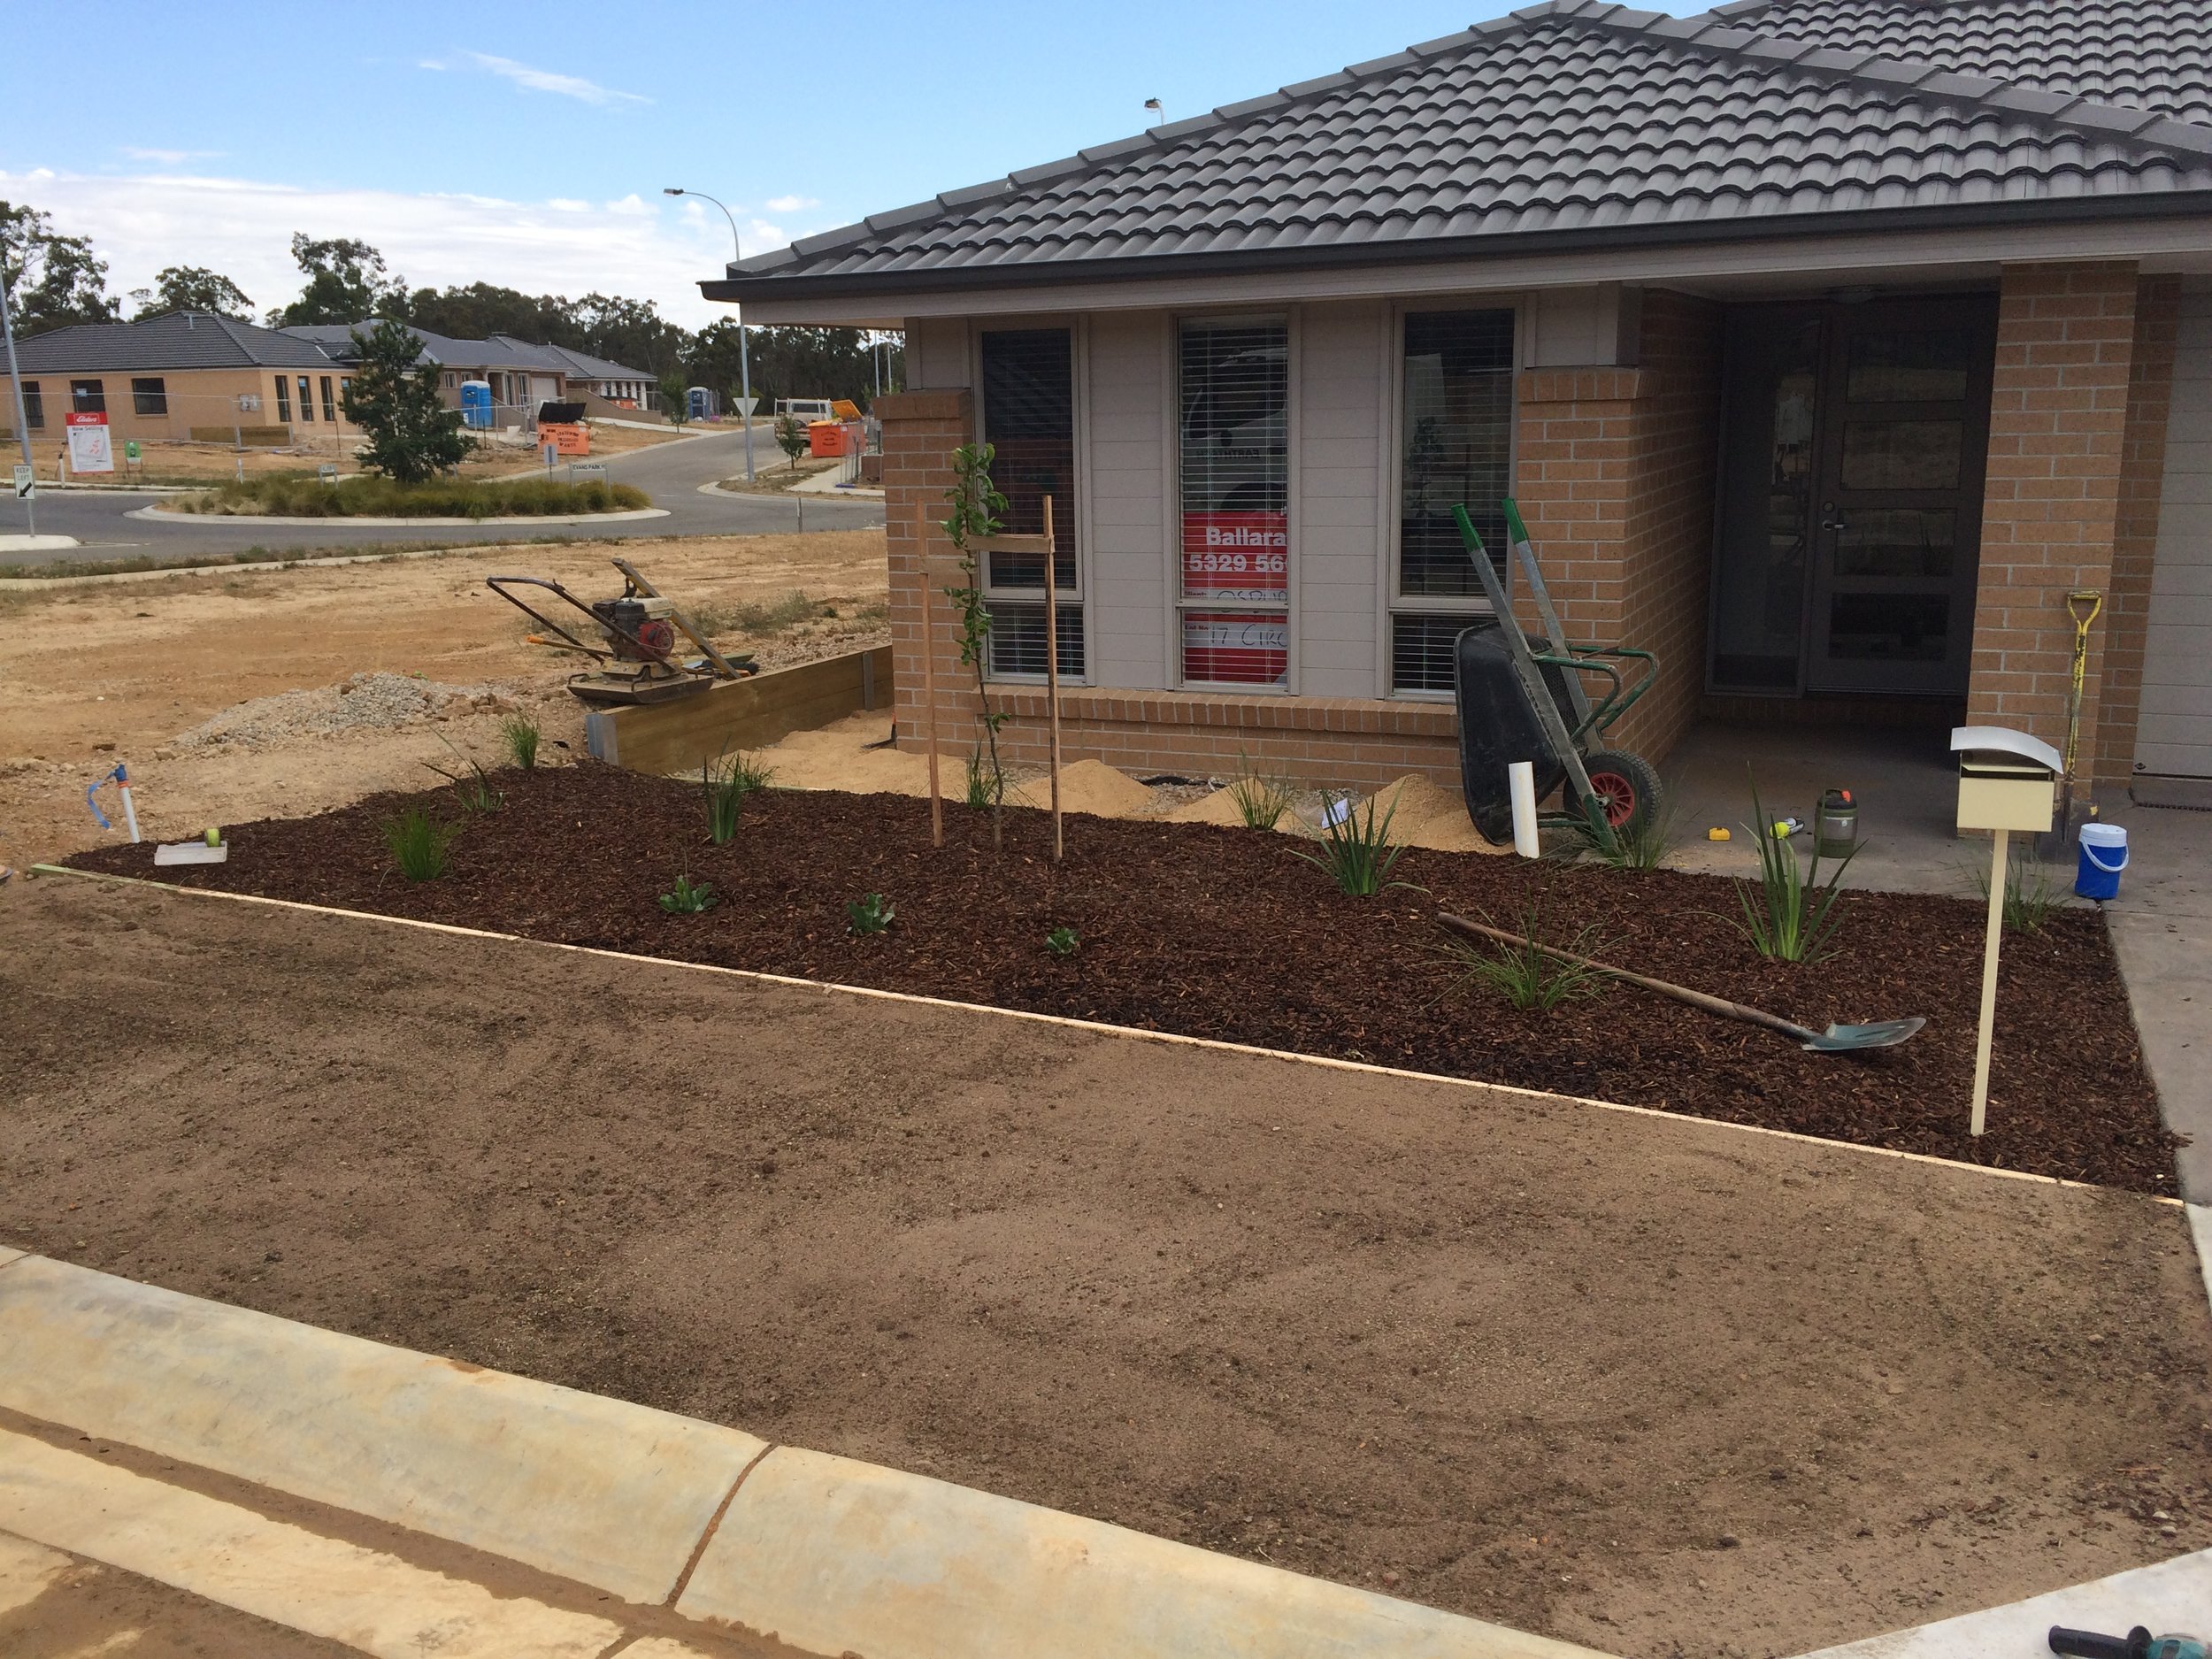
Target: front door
1851,495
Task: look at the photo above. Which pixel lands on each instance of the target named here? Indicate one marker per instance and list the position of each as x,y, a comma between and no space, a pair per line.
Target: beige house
1827,346
183,375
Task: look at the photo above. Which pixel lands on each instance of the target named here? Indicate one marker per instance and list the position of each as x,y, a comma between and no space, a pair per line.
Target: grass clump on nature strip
520,733
869,915
726,781
1524,973
1261,800
2031,897
1796,916
689,897
291,496
1355,850
420,845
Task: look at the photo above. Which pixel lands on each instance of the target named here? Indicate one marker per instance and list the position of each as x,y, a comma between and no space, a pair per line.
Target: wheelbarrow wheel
1627,786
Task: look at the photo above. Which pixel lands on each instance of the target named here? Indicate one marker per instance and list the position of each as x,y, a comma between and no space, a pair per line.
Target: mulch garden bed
1228,934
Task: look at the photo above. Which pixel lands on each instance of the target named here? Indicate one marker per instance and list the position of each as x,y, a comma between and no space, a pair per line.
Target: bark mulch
1228,934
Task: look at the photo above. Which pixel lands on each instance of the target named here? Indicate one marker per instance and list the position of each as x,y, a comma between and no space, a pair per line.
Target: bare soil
100,671
1658,1386
1230,934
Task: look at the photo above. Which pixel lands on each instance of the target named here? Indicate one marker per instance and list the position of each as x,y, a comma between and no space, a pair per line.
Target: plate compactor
636,631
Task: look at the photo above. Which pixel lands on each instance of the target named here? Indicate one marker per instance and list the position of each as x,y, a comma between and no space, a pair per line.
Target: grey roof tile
174,340
1589,116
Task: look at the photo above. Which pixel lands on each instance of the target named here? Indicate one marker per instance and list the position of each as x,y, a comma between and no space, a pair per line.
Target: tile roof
1581,121
174,340
500,352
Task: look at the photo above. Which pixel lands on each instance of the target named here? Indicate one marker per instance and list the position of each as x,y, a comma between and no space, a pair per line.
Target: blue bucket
2103,849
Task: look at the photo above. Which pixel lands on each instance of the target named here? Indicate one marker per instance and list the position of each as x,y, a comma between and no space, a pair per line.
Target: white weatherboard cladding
937,354
1338,381
2174,731
1129,478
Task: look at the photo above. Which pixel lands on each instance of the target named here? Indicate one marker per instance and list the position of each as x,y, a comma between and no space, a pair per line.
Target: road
670,473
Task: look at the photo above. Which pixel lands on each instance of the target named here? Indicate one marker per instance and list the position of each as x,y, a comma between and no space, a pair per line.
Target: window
330,403
1029,419
1456,448
150,397
307,401
448,380
284,399
345,392
1233,426
34,406
89,398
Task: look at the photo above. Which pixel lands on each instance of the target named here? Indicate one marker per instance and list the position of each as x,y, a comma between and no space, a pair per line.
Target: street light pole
744,354
22,426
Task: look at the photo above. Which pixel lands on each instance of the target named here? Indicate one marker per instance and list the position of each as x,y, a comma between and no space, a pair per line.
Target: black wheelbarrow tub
1498,725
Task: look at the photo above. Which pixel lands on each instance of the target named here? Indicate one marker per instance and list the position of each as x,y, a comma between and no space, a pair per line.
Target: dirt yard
1658,1386
178,462
95,673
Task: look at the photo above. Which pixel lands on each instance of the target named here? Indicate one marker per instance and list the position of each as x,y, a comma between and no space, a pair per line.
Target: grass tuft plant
1261,799
1355,850
2031,897
1641,844
869,915
1525,974
420,845
726,781
986,786
520,733
1064,942
1795,917
689,897
473,789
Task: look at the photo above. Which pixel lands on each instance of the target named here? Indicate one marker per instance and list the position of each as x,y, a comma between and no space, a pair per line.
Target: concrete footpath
397,1503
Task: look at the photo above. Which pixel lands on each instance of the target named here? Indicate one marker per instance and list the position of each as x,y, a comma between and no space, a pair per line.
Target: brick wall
1616,481
2058,441
920,432
2135,525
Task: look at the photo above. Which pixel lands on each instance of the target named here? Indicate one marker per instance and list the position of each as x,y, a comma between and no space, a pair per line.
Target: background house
1827,345
521,374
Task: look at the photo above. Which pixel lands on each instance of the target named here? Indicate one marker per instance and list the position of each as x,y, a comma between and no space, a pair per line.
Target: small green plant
979,510
420,845
1525,974
1064,942
726,781
985,787
1261,800
520,733
869,915
689,897
1795,917
1642,844
2031,898
1355,848
791,438
473,789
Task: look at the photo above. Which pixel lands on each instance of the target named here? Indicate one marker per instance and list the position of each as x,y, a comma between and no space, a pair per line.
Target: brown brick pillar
2135,528
1615,477
920,432
2051,509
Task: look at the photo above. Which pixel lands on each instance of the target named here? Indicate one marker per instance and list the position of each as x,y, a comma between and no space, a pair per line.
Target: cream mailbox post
2008,781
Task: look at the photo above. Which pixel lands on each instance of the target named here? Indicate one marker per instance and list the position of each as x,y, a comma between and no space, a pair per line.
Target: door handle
1832,521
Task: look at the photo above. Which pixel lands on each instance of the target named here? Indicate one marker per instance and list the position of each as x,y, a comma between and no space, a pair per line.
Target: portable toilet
700,403
476,404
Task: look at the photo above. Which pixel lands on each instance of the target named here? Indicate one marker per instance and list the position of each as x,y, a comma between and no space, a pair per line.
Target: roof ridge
1719,32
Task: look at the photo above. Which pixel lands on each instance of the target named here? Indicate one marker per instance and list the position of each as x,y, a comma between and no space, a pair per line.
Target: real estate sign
89,450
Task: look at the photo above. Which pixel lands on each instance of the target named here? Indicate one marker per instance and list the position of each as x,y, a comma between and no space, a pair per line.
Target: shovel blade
1882,1034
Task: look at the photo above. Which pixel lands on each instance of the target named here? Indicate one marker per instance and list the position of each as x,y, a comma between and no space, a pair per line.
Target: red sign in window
1237,647
1239,556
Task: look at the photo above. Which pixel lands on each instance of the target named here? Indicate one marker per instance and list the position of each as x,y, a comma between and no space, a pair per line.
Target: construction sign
89,450
564,437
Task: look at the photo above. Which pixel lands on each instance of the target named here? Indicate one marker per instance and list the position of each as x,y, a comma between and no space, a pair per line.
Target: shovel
1882,1033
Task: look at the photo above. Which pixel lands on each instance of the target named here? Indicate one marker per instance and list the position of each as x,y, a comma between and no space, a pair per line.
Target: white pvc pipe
1521,780
130,812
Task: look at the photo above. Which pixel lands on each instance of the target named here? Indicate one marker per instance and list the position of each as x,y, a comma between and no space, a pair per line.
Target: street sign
25,482
88,447
327,472
130,449
745,405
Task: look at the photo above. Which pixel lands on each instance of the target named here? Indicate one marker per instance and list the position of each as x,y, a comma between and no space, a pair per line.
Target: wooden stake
1052,679
929,704
1990,941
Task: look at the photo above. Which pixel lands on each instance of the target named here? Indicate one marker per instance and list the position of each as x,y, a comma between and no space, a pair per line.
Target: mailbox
2007,780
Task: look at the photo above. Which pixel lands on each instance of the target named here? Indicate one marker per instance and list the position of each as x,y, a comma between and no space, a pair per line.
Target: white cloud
791,203
765,236
166,157
243,228
567,204
547,81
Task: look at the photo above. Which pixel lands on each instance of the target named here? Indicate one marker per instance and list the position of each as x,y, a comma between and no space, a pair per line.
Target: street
670,473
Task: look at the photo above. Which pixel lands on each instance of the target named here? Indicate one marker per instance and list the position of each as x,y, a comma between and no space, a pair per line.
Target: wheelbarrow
1525,699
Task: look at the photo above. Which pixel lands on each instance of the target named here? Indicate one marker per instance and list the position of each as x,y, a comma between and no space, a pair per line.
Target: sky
528,145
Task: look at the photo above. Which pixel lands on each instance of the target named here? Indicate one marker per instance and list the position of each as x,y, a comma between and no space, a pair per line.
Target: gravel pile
378,700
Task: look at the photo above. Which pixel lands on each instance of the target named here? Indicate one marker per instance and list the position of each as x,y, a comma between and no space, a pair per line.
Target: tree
191,288
791,438
51,282
675,396
632,332
791,363
393,398
346,283
484,308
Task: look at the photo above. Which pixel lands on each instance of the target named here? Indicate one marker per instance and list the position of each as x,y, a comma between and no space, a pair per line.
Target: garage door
2174,736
